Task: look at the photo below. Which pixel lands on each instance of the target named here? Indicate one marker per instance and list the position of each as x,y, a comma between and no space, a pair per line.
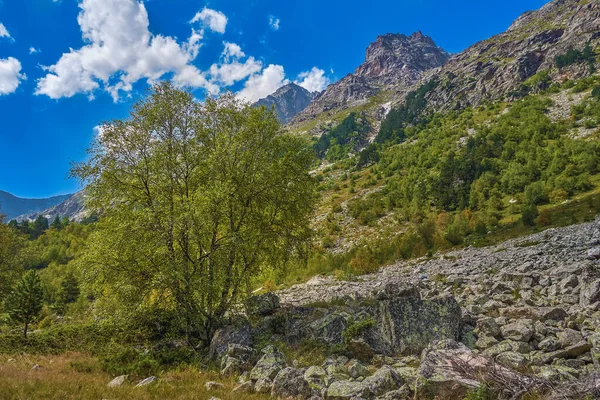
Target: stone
263,385
549,344
520,331
290,382
512,359
147,381
244,387
590,294
356,369
36,367
315,372
211,385
383,380
508,345
233,334
399,394
569,337
269,365
330,329
488,327
593,254
346,390
406,325
118,381
263,305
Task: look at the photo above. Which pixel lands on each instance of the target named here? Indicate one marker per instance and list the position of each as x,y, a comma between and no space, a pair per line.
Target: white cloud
4,31
274,22
313,80
231,69
215,20
33,50
262,84
10,75
120,51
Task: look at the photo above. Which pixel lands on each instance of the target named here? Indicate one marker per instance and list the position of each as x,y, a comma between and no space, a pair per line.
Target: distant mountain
72,207
392,61
13,206
288,101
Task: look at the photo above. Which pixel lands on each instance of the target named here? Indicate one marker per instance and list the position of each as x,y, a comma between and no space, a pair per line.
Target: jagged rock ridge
288,101
392,60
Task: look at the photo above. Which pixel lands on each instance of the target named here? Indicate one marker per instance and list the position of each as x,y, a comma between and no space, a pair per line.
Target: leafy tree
196,200
69,289
11,263
25,302
529,214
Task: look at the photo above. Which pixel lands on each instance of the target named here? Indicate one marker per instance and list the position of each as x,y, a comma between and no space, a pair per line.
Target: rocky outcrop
392,60
14,207
72,207
288,101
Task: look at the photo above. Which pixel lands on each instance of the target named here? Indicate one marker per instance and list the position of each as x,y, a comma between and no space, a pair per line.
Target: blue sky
68,65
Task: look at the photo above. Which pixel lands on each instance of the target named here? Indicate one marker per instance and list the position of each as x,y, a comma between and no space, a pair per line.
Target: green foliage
24,304
347,137
481,393
574,56
529,214
11,257
209,197
356,329
410,113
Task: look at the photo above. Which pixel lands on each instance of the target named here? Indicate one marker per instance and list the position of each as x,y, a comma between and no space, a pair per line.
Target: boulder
593,254
512,359
269,365
315,372
383,381
290,382
263,385
239,334
488,327
399,394
590,294
549,344
345,390
330,329
520,331
569,337
118,381
406,325
356,369
263,305
244,387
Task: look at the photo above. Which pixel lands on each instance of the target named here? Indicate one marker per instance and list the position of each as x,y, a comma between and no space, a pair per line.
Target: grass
77,376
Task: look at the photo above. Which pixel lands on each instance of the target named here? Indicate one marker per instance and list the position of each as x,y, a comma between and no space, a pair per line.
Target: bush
529,214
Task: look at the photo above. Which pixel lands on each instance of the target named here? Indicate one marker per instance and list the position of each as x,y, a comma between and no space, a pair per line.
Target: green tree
196,201
25,302
56,223
11,263
40,225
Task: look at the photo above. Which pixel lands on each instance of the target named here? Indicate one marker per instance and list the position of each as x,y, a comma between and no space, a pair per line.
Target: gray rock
118,381
593,254
346,390
263,385
269,365
244,387
234,334
383,380
356,369
211,385
569,337
263,305
512,360
549,344
315,372
520,331
330,329
591,294
290,382
488,327
147,381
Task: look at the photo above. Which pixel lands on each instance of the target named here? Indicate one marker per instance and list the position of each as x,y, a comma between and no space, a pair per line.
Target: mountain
495,68
393,60
288,101
72,207
13,206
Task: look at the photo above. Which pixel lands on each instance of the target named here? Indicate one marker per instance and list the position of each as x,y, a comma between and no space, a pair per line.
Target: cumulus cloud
33,50
262,84
120,51
313,80
10,75
274,22
4,31
215,20
231,69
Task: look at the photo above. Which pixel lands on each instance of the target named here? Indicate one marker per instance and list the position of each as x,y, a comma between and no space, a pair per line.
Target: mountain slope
288,101
493,68
393,60
72,207
13,206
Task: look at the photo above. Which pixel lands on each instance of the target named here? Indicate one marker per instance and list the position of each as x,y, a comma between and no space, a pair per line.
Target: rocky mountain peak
392,60
288,101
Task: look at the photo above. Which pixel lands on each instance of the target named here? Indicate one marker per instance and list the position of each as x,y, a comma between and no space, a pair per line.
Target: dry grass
77,376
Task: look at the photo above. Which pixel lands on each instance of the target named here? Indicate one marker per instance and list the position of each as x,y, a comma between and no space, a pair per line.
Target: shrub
529,214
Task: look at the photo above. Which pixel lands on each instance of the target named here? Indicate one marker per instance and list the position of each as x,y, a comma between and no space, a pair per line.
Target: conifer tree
25,302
